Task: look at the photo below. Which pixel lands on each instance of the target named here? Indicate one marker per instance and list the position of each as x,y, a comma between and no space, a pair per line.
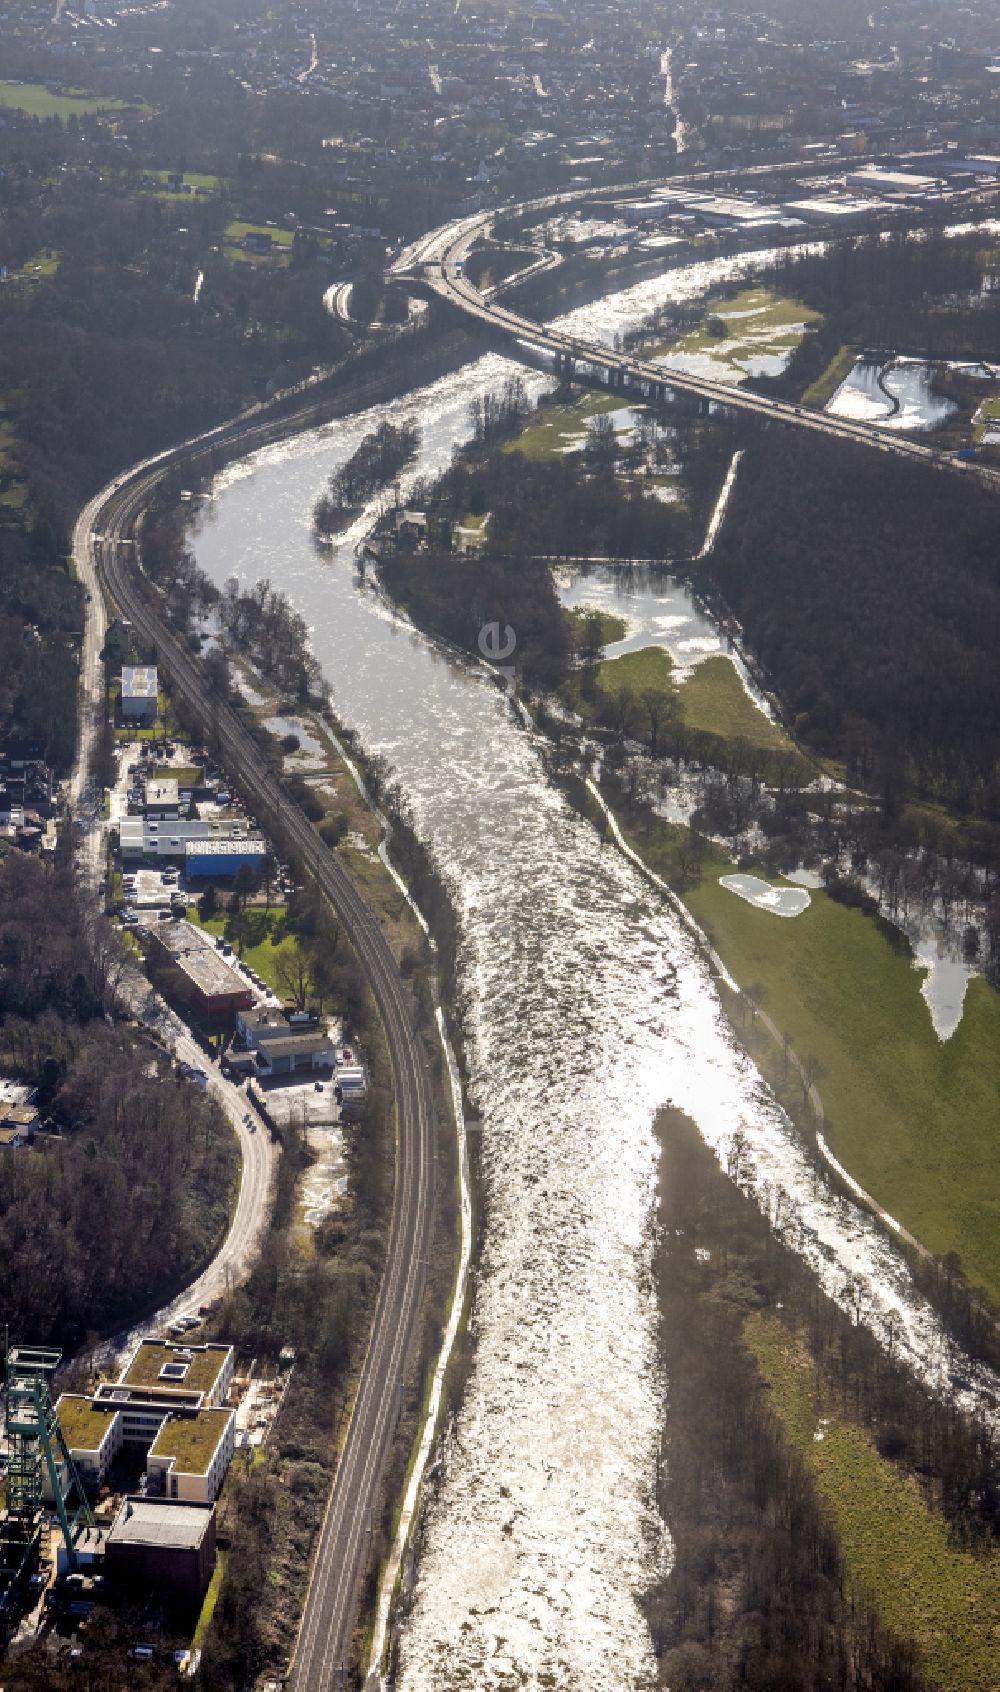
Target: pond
780,901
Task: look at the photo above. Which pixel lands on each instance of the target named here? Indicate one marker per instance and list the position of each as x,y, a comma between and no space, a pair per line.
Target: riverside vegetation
833,1524
375,463
316,1289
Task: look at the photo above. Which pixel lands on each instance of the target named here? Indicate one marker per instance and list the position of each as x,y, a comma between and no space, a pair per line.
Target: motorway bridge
435,265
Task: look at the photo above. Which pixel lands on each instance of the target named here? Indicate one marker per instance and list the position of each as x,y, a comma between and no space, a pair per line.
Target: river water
587,1005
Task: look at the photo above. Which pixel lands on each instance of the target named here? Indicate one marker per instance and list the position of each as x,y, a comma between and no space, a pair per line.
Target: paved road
258,1153
104,544
436,263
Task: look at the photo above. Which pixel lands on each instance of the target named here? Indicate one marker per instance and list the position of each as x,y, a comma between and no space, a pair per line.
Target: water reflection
587,1004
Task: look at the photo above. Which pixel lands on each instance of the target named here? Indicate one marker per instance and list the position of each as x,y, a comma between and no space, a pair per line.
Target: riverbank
789,1474
578,985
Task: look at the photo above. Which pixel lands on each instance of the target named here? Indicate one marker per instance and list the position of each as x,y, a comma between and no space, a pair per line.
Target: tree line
128,1192
757,1594
381,455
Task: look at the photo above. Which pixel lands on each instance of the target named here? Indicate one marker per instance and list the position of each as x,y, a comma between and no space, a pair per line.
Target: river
587,1005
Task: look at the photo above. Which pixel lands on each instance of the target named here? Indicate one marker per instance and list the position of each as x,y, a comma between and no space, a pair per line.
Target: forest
869,591
758,1595
127,1192
41,615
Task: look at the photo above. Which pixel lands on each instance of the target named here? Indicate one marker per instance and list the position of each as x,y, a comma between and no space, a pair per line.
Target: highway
105,551
436,264
105,548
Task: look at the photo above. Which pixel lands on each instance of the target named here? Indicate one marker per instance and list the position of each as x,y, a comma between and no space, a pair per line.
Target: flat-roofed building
190,1455
898,184
162,798
143,1409
837,211
185,963
149,837
140,690
295,1052
153,1543
206,1369
224,857
94,1435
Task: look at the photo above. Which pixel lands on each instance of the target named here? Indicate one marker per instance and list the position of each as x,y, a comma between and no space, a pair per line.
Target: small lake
780,901
895,396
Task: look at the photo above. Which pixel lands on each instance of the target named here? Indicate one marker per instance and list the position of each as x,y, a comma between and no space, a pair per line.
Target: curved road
258,1153
105,545
436,263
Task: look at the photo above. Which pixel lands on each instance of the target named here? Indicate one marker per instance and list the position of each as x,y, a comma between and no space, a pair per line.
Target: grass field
711,698
34,99
758,323
913,1118
714,700
41,265
612,627
192,179
235,253
944,1598
263,957
552,430
820,392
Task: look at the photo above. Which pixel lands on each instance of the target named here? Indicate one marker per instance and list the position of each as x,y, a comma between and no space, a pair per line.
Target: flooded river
587,1005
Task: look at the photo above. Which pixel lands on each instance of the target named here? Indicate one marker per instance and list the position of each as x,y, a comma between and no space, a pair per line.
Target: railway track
113,522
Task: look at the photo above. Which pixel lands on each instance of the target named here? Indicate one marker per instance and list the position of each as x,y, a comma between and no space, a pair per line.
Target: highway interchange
436,265
105,551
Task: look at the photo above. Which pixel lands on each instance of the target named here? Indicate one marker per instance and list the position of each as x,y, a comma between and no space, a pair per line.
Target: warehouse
222,858
139,693
900,184
846,212
163,1546
184,963
142,837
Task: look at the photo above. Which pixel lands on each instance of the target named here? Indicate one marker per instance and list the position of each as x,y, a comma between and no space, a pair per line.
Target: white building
139,693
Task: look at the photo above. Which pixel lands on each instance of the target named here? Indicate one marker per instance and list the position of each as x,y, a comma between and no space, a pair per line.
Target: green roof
191,1441
205,1367
83,1425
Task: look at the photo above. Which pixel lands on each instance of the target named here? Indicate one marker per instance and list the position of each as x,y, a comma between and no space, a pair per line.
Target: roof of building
205,1364
148,1522
893,181
242,848
265,1024
161,1397
192,1441
164,792
18,1116
139,681
297,1045
84,1425
9,1136
195,954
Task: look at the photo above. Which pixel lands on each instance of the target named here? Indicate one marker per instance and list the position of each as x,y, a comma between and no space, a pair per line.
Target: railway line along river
587,1005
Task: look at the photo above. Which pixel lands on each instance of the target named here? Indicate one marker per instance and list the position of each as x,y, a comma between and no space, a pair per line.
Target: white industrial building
899,184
